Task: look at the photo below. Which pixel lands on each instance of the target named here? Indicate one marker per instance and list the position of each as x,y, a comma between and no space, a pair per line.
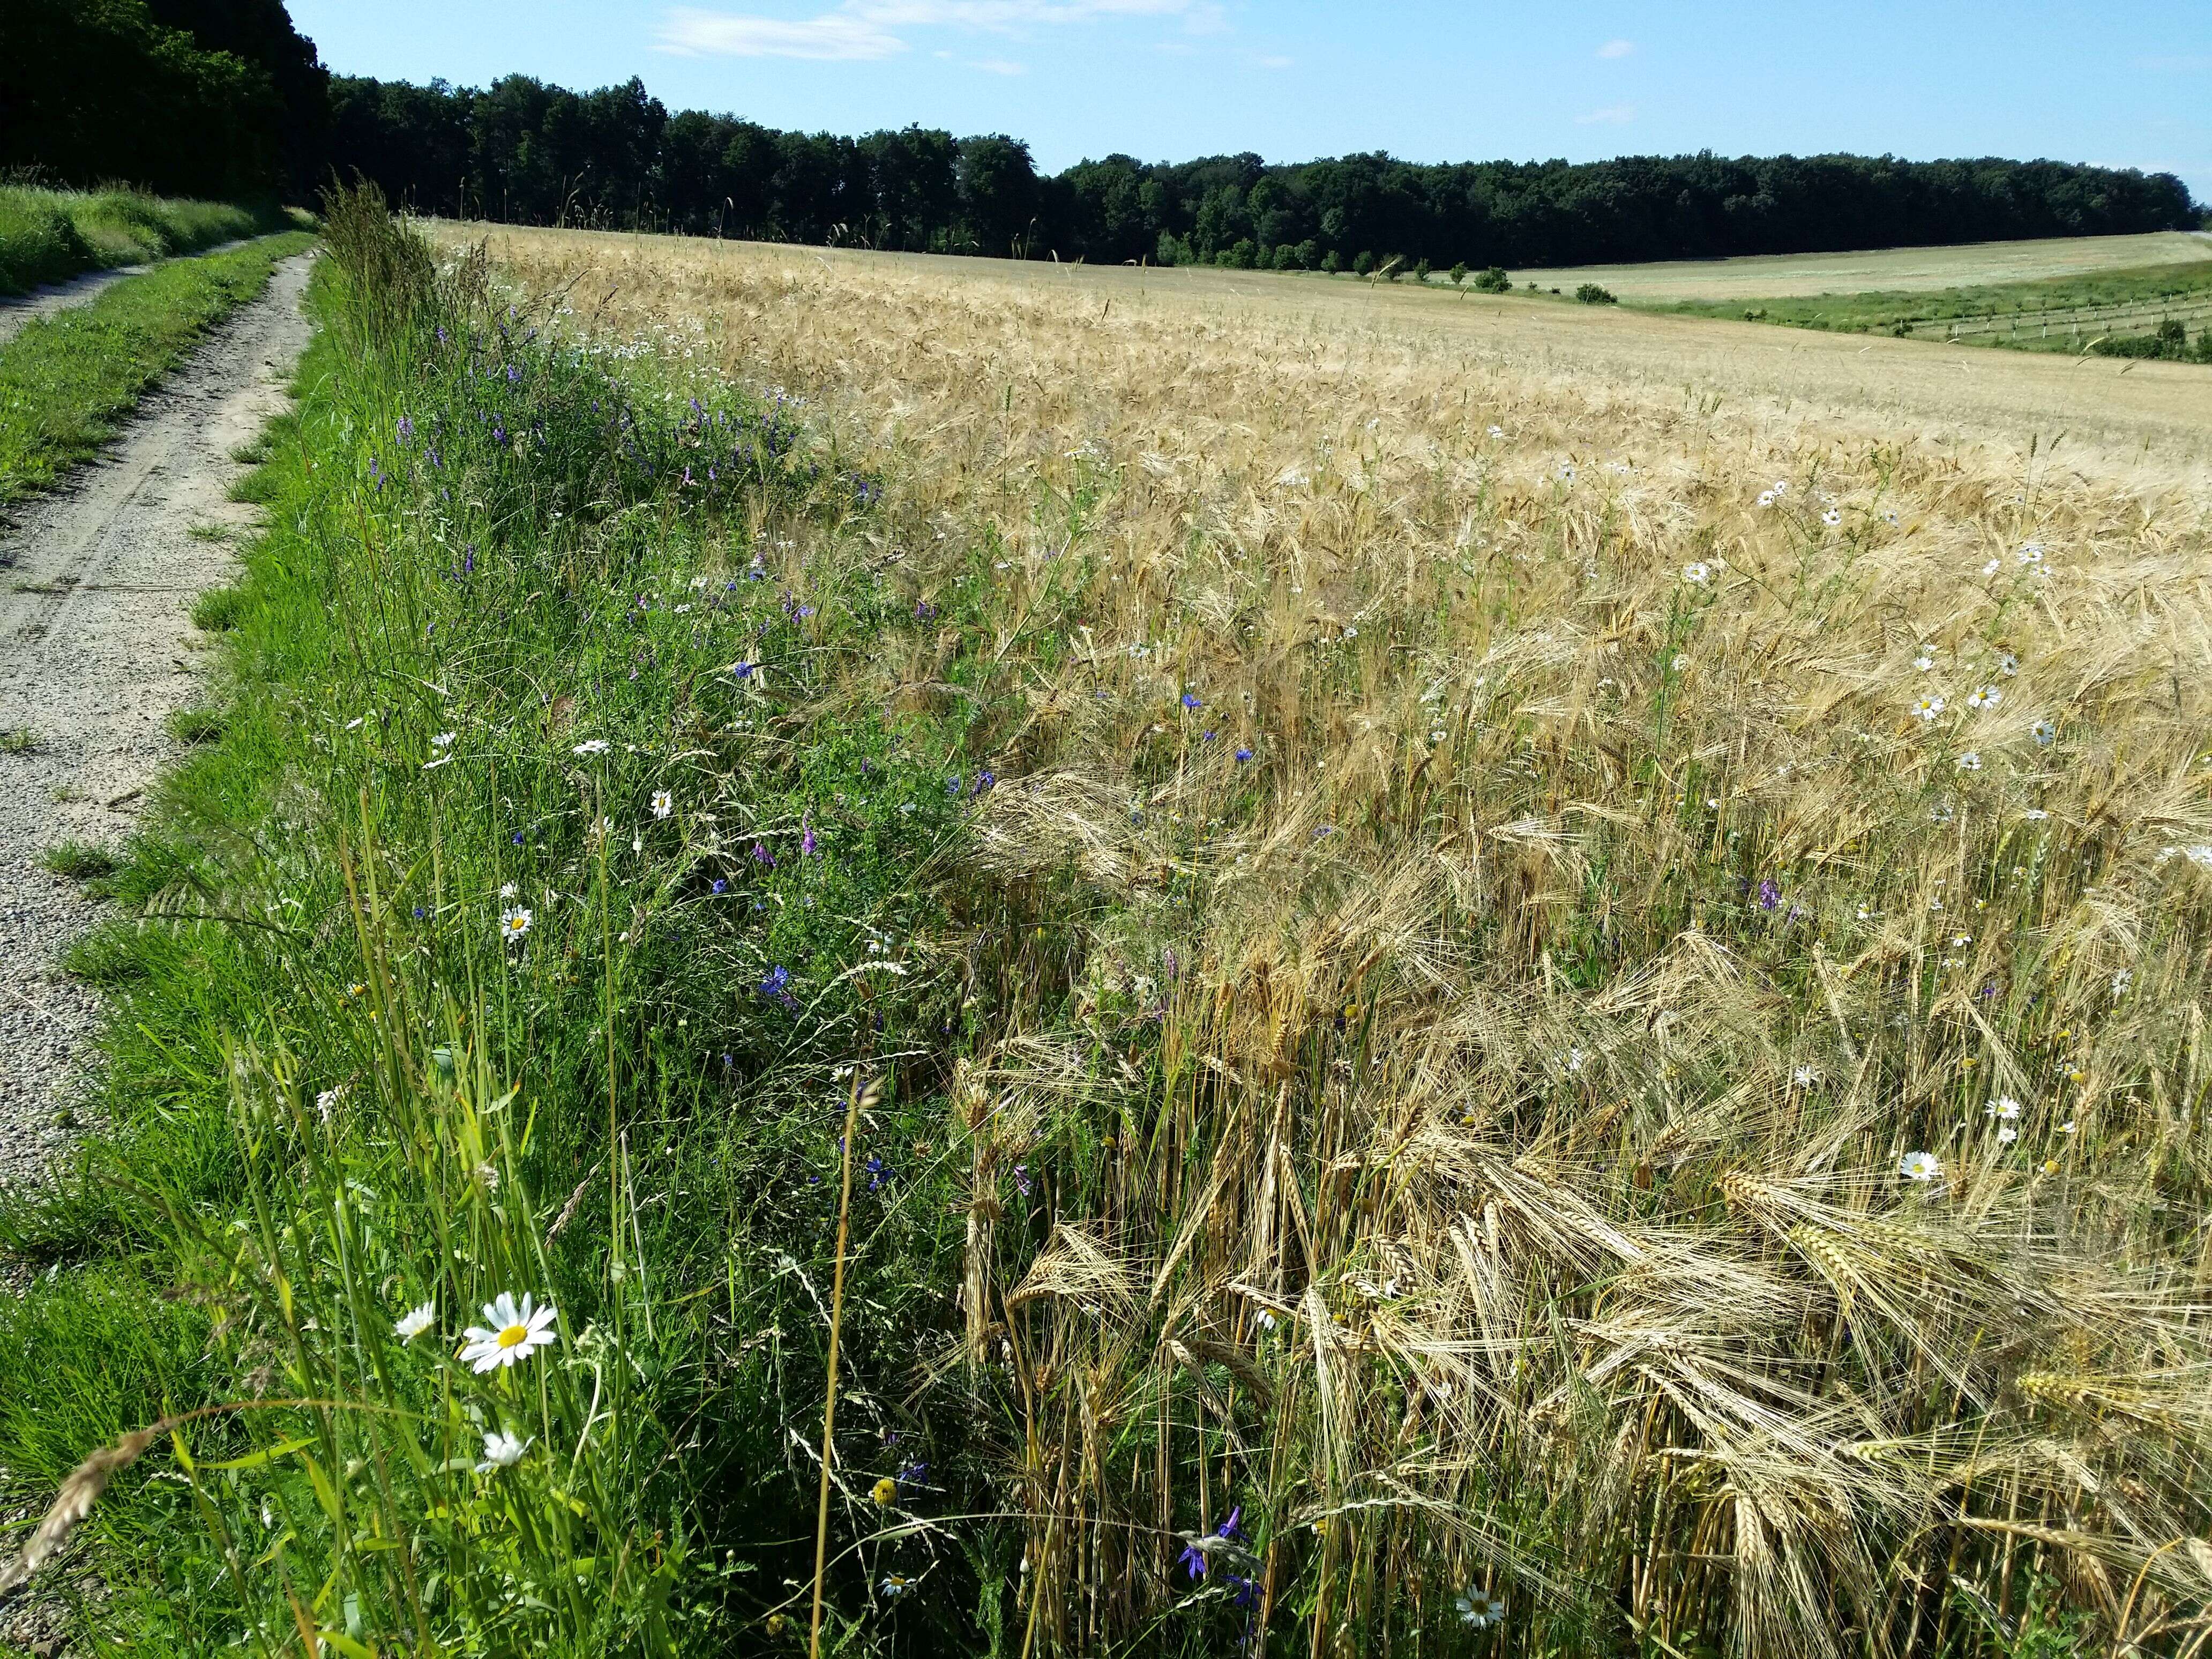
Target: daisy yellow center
513,1336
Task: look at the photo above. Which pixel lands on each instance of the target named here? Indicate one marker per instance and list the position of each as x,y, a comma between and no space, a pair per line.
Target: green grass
67,381
79,860
2185,285
459,672
52,235
18,740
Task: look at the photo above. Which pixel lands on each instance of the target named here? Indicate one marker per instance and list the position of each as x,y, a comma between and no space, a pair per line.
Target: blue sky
2125,82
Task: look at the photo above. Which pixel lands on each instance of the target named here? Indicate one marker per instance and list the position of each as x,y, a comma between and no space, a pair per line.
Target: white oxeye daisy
1971,760
1767,498
1805,1077
1567,473
1990,569
1782,486
1832,517
415,1321
2046,732
501,1452
663,803
1920,1166
444,740
1928,708
1697,572
1889,515
514,921
509,1334
2003,1107
2035,815
1984,696
1926,659
2007,663
507,889
591,746
2007,1134
1480,1607
2121,981
2031,554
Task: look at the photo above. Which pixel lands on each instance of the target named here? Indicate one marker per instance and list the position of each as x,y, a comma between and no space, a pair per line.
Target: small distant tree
1309,254
1332,261
1421,272
1362,262
1495,281
1458,274
2172,337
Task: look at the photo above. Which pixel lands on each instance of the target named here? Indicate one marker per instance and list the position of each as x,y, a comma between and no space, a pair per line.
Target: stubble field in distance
1638,1038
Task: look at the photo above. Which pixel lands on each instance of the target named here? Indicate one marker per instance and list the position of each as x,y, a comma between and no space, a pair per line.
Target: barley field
1900,269
911,956
1630,1070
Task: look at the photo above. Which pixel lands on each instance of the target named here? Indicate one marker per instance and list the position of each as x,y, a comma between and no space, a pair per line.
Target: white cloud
999,66
1616,49
840,37
1613,115
860,30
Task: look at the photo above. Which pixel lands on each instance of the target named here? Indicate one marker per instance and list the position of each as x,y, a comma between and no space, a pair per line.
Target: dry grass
1891,270
1468,1135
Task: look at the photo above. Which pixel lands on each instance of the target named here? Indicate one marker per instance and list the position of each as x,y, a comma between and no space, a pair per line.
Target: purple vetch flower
1022,1179
405,429
762,855
806,842
1770,895
952,784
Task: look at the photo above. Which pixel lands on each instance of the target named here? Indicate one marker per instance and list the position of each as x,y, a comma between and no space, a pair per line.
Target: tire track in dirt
96,649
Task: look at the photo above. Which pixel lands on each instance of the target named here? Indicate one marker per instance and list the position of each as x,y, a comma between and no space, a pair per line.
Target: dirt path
96,647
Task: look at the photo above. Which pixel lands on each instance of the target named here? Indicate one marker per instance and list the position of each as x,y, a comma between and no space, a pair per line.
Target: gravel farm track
97,583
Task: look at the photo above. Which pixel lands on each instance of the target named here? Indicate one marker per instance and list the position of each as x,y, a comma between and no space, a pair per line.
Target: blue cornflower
1190,699
1243,754
879,1173
721,886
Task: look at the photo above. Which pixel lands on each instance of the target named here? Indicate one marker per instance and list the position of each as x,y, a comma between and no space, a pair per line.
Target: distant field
1896,269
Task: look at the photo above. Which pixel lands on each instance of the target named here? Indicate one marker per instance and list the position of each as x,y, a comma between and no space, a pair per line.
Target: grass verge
67,381
517,930
51,235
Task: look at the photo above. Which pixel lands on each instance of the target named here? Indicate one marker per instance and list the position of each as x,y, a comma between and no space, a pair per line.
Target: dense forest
225,98
210,98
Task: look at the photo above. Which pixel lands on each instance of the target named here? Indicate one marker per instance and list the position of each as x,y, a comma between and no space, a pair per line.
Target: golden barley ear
74,1502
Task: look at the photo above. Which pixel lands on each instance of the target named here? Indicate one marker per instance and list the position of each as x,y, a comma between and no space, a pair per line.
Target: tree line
225,98
524,151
